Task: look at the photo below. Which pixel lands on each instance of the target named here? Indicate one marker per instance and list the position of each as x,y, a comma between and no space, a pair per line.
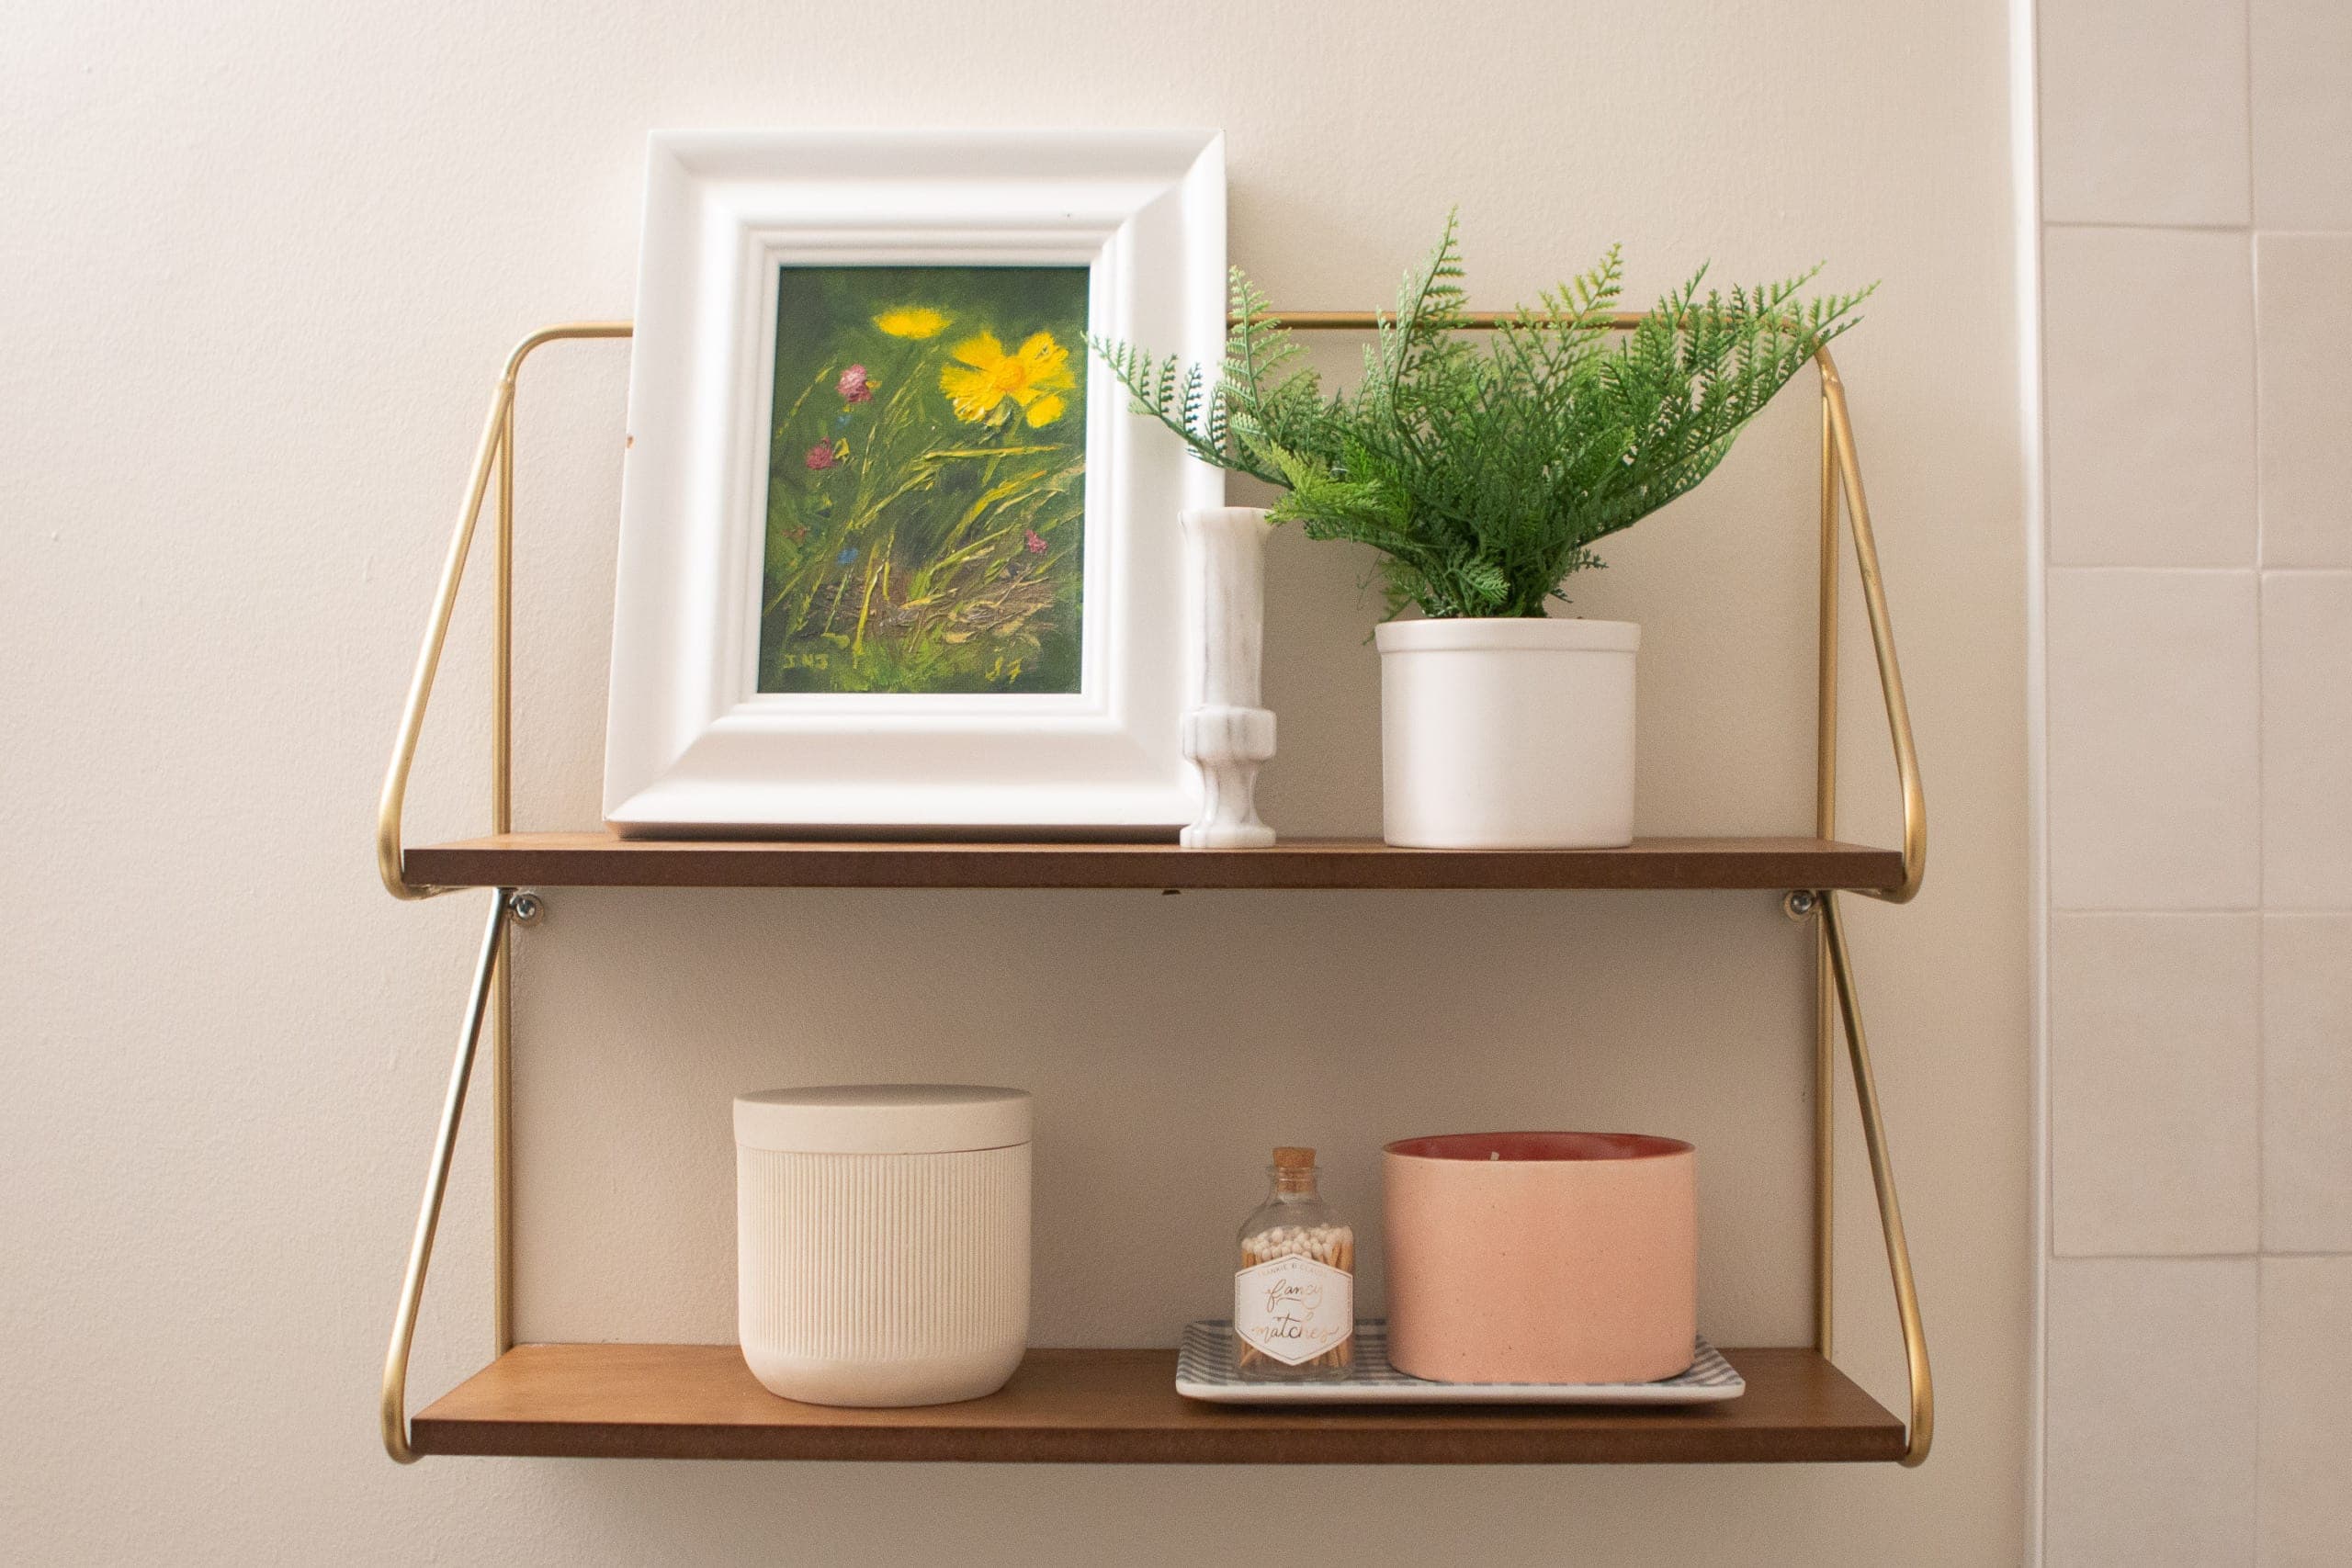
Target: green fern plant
1484,478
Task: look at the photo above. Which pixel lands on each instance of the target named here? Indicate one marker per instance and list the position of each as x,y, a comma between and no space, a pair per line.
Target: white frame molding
692,747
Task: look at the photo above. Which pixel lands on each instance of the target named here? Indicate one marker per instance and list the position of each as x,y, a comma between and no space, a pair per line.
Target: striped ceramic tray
1204,1371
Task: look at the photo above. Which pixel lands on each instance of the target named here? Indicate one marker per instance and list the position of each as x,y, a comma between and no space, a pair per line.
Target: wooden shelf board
603,860
1116,1407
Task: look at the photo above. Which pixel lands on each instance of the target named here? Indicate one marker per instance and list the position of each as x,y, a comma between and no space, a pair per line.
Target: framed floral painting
926,486
892,560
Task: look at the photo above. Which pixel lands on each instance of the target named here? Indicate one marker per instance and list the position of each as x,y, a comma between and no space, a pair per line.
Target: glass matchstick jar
1294,1293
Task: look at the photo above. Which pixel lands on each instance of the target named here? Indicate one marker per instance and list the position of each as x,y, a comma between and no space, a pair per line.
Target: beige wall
261,265
2196,236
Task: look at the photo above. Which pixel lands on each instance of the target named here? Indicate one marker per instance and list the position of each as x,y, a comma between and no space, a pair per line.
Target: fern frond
1484,479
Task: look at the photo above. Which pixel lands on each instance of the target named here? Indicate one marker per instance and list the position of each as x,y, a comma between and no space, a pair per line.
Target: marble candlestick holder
1227,736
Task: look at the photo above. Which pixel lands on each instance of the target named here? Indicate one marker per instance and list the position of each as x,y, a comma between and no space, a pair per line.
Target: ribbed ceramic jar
882,1241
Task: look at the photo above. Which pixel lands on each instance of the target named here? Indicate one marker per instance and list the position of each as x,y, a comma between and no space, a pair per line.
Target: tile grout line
2117,224
2033,231
2289,911
2212,570
2261,812
2324,1253
2261,719
2246,37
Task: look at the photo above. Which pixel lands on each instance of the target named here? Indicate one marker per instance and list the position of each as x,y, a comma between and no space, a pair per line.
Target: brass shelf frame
488,1010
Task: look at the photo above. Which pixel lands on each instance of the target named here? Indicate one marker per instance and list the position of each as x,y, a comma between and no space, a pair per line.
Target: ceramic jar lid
882,1119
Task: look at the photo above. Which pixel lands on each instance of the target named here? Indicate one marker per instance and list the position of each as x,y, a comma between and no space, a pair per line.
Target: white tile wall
2153,763
2307,738
2148,352
2197,243
2151,1440
2306,1481
2143,123
2307,1085
2303,114
2304,283
2155,1092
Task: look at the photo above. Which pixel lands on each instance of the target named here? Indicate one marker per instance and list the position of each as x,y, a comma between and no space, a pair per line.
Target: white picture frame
693,748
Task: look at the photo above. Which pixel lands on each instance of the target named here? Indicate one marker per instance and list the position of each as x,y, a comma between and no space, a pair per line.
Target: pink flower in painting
820,456
1036,545
854,386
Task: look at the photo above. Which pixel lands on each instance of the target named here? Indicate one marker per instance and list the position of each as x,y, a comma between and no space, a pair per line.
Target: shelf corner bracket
436,1184
1922,1425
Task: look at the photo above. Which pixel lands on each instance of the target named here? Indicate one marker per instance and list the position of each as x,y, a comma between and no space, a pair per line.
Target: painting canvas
925,519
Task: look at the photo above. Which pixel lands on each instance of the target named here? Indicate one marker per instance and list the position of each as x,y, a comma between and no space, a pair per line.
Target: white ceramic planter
1507,734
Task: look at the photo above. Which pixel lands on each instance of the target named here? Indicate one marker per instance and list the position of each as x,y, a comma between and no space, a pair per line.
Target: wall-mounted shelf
601,860
1096,1406
1116,1407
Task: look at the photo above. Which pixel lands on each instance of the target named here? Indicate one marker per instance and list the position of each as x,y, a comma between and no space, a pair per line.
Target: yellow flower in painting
912,321
983,376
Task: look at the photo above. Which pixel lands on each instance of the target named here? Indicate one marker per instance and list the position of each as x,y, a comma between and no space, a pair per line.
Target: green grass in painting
926,480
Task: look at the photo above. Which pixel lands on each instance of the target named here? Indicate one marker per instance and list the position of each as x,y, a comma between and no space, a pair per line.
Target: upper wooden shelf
602,860
1118,1407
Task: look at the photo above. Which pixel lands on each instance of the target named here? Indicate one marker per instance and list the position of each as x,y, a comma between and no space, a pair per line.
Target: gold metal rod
501,1001
428,657
567,333
1368,320
1825,717
1890,1211
1825,1149
1825,825
501,811
502,668
444,604
395,1408
497,447
501,1155
1890,673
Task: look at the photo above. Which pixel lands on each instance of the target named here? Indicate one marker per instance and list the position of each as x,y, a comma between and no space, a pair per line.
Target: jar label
1293,1308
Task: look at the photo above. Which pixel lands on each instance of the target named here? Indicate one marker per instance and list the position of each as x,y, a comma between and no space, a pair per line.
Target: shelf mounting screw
1801,903
527,909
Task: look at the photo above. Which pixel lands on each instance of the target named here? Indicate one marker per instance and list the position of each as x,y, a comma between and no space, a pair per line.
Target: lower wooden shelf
1116,1407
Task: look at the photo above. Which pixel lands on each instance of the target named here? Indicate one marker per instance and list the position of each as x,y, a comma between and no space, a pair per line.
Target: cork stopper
1287,1158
